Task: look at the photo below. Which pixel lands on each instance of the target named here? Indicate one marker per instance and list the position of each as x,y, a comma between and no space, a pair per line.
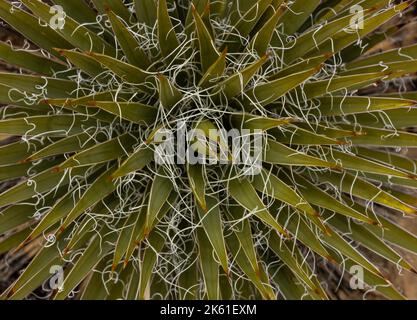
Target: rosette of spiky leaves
89,195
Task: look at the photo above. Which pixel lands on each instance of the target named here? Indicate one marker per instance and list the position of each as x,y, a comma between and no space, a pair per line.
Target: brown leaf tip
91,103
193,8
56,169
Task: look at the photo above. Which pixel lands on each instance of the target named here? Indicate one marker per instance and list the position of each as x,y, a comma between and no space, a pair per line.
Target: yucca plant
95,194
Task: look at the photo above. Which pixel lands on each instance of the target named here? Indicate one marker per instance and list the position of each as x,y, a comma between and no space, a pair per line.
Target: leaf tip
56,169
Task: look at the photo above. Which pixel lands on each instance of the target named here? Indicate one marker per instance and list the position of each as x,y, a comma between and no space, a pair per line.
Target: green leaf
25,169
294,135
12,241
120,286
139,159
208,51
236,83
214,71
103,152
76,34
394,69
52,126
29,61
76,106
125,71
252,122
78,10
393,233
40,183
389,158
369,240
262,38
394,118
297,225
36,273
189,280
325,130
88,226
343,39
125,238
93,254
138,232
238,10
95,288
69,144
339,105
156,244
288,284
284,253
197,184
353,52
209,266
337,242
15,216
29,26
18,151
370,278
52,87
278,153
256,276
146,11
316,196
353,162
132,111
130,46
273,186
133,284
242,229
358,187
117,6
97,191
248,19
8,95
305,64
297,14
160,190
110,95
206,17
309,40
244,193
381,137
168,41
201,6
213,226
342,8
393,55
169,95
12,112
59,210
345,83
269,92
83,62
38,270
